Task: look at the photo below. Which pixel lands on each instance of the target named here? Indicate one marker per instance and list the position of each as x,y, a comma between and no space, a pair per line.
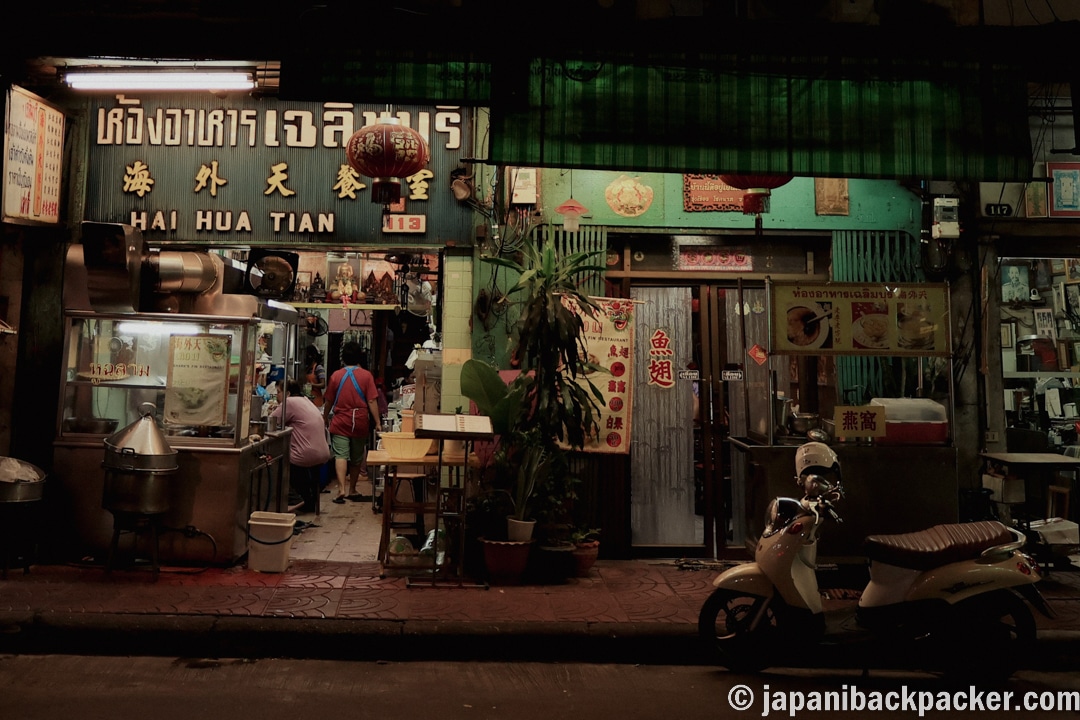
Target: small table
390,506
1037,460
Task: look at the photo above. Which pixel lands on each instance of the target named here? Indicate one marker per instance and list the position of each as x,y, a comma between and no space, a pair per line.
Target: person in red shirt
351,403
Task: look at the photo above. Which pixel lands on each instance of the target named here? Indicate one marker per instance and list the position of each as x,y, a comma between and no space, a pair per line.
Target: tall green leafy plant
549,343
544,407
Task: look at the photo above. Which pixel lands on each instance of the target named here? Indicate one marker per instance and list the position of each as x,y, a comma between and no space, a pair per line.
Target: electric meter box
946,218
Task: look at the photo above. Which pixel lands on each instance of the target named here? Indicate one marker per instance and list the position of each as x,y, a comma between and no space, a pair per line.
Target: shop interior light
151,328
159,80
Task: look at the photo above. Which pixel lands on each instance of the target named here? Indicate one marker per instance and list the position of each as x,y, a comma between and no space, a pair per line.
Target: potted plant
586,549
544,410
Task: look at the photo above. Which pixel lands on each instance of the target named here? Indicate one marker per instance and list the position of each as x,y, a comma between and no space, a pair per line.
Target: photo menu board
902,319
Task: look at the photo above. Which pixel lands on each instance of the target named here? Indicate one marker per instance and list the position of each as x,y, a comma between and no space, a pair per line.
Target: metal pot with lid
138,466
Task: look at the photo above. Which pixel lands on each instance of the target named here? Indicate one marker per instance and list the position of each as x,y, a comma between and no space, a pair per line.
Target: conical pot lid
142,437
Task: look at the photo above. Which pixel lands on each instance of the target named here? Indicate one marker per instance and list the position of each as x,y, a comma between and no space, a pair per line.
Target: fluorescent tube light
151,328
160,80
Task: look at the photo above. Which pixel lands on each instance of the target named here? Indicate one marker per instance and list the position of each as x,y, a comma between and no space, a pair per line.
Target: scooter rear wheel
987,637
724,624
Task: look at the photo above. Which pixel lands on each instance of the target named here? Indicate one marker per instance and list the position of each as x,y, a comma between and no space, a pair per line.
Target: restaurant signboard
901,319
247,171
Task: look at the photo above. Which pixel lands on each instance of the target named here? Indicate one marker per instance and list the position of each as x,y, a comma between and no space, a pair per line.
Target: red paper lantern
758,190
386,152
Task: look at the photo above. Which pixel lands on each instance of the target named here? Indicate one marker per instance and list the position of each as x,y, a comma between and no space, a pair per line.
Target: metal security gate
871,257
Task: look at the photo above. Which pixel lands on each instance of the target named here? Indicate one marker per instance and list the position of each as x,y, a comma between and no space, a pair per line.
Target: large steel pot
800,423
139,465
20,481
95,426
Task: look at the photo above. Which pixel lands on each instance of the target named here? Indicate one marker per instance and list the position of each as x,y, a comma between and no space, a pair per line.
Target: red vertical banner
610,341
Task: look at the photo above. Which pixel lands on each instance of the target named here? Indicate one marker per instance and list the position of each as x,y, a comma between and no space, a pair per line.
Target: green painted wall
874,204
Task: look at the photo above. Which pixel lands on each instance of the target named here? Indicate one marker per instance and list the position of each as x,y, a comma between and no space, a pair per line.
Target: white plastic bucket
269,541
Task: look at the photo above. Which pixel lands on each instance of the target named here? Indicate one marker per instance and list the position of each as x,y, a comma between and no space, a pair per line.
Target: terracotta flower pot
585,554
552,564
505,561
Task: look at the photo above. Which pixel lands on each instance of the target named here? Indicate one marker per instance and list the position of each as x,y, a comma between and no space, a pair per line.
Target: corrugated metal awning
819,117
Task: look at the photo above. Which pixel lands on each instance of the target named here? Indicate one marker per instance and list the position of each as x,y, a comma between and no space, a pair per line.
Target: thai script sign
856,319
258,171
33,158
708,193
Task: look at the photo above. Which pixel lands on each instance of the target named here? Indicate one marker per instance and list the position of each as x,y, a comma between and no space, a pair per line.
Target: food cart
900,477
175,330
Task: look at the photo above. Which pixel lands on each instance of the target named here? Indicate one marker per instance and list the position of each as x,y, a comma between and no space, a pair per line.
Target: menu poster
610,340
33,159
198,386
855,319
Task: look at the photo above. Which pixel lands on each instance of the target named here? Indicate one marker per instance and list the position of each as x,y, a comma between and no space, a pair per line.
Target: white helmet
815,455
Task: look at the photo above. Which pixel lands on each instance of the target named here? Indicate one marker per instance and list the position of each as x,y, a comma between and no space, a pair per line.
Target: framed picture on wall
1008,330
1072,299
1057,266
1059,299
1035,200
343,278
1044,276
1044,323
1015,285
1065,189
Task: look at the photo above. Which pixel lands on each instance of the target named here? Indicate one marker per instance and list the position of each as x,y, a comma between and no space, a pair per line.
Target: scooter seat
937,546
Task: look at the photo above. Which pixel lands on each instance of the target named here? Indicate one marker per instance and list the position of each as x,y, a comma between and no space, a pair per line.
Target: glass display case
205,375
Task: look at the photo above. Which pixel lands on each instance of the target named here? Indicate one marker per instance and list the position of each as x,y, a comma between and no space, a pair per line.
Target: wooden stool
1057,502
392,507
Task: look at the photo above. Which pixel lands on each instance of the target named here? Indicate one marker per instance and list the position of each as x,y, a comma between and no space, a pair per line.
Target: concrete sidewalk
625,611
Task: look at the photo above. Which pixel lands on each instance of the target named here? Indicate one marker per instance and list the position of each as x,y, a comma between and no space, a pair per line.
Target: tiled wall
457,334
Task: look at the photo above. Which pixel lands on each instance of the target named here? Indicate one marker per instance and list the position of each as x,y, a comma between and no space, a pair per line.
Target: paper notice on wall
198,386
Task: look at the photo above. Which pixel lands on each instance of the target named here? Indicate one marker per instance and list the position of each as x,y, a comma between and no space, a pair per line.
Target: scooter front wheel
727,625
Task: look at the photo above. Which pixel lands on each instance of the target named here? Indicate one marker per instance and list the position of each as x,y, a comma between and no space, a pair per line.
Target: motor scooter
952,598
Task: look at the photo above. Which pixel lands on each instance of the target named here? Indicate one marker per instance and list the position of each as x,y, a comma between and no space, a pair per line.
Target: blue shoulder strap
349,372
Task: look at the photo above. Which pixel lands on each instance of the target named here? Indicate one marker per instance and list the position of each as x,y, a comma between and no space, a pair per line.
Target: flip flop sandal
339,500
359,498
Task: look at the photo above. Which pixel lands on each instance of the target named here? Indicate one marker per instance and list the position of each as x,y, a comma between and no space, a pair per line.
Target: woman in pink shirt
308,448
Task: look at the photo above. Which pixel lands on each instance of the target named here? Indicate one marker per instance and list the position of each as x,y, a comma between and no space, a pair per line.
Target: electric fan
272,273
314,325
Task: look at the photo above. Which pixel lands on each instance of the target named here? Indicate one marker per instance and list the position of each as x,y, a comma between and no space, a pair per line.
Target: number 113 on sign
404,223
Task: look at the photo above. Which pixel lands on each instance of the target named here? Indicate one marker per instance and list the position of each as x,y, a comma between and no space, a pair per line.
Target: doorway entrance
682,498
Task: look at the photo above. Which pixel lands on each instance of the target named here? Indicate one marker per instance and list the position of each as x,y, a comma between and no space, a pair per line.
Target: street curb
24,632
338,638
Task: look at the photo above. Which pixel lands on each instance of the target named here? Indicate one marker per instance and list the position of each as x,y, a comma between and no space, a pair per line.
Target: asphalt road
49,687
